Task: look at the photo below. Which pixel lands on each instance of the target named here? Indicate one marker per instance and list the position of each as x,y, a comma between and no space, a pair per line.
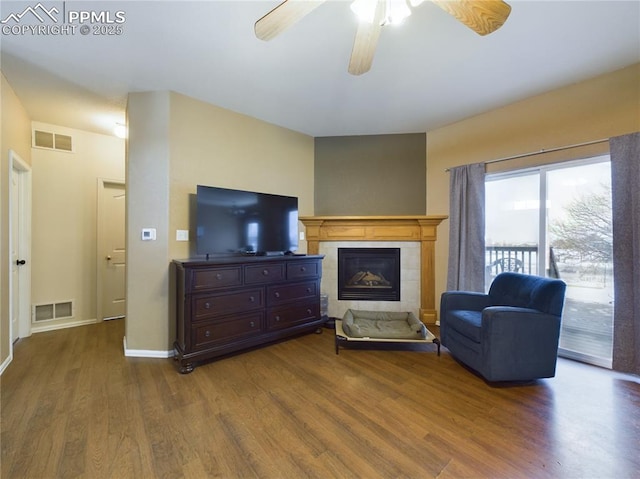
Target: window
556,221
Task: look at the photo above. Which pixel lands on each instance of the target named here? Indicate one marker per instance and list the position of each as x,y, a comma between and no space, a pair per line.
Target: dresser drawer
284,293
224,330
303,269
226,303
287,317
259,274
205,279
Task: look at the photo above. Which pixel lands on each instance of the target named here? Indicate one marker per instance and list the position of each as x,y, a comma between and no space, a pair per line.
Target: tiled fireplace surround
414,235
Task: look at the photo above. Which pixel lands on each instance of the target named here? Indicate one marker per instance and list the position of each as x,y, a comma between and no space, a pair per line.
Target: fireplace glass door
369,274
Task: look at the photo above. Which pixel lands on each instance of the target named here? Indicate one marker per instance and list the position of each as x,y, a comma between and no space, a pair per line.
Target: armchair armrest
465,300
459,300
519,339
517,316
510,321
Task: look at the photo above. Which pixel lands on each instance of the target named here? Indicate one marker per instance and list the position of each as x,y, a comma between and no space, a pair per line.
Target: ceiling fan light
365,10
397,11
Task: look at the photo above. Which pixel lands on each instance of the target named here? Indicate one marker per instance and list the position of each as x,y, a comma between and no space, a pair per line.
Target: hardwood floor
74,406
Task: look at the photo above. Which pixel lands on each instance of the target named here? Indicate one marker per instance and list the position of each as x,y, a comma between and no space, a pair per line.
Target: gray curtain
625,192
466,228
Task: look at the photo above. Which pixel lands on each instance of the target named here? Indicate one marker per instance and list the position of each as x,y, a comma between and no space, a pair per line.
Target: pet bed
381,328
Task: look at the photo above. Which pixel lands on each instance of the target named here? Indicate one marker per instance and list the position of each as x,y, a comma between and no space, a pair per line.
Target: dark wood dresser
224,305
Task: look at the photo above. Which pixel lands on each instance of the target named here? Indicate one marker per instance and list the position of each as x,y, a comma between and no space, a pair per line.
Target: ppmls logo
39,11
40,20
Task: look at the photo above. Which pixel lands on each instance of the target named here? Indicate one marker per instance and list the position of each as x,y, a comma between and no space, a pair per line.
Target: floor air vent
50,311
52,141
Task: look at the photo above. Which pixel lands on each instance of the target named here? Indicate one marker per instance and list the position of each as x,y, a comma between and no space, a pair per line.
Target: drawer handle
277,318
309,311
207,305
276,294
252,299
265,272
252,324
219,276
308,290
303,269
207,334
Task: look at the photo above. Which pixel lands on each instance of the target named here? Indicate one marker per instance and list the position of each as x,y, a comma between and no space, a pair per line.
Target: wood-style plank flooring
74,407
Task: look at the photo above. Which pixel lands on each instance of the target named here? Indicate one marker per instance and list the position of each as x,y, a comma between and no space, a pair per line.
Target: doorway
19,247
556,221
111,255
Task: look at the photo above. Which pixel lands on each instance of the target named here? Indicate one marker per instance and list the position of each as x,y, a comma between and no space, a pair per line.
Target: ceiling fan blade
283,16
482,17
364,46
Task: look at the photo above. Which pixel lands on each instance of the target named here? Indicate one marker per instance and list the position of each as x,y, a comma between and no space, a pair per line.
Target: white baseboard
145,353
52,327
6,363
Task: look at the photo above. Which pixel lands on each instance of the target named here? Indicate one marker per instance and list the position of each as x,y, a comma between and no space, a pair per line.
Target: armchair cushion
467,323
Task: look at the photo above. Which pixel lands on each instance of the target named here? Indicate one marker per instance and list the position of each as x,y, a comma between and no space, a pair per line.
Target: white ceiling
428,72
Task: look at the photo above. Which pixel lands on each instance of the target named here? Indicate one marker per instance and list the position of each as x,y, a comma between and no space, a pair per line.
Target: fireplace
369,274
415,235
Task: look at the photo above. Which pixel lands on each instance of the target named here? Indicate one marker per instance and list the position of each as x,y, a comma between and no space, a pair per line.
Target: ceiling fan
482,16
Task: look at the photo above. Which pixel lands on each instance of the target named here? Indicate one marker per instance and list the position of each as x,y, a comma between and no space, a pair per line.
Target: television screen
245,222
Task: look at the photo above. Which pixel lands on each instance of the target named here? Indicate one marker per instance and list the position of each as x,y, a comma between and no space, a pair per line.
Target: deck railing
518,259
587,324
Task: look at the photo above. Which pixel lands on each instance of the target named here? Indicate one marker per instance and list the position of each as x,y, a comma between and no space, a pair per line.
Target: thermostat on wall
148,234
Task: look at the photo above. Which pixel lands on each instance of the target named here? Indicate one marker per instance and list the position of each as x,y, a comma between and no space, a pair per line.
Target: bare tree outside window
585,232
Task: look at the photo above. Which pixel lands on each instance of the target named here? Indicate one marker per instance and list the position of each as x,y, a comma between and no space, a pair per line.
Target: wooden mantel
421,229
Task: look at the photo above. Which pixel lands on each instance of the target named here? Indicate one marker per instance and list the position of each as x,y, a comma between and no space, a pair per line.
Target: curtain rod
540,152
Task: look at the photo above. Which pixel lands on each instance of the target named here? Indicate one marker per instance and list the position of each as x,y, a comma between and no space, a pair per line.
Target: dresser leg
186,368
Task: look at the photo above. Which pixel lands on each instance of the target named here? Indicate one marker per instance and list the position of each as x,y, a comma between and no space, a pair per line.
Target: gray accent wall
371,175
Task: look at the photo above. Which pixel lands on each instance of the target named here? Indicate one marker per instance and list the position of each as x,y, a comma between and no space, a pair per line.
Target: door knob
20,262
108,258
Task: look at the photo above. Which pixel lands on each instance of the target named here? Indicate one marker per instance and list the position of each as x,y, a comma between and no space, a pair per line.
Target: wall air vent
52,141
50,311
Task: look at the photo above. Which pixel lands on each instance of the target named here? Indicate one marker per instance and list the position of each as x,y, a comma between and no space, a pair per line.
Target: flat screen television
236,222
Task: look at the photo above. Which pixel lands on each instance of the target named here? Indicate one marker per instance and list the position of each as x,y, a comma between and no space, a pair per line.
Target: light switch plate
182,235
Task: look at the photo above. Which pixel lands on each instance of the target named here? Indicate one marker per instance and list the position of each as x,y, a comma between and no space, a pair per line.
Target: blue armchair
510,334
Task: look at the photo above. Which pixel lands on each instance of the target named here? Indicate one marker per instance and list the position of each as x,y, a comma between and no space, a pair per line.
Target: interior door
19,246
16,258
111,247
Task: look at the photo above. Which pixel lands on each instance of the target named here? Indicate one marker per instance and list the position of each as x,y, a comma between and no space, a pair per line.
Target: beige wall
217,147
606,106
176,143
370,175
64,218
147,165
15,134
